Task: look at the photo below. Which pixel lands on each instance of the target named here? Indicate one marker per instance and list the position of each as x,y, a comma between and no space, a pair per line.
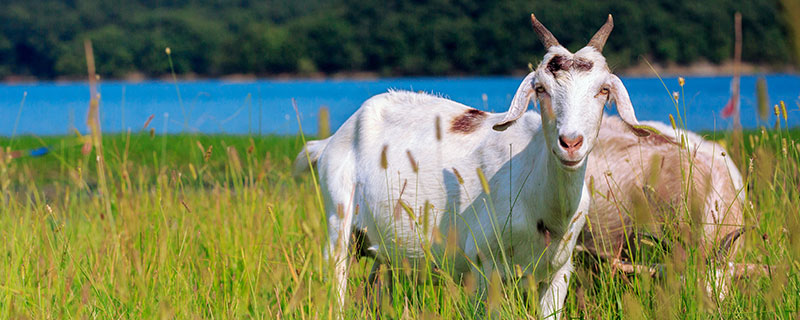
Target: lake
265,106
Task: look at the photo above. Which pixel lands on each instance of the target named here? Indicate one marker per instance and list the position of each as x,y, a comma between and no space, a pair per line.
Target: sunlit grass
215,226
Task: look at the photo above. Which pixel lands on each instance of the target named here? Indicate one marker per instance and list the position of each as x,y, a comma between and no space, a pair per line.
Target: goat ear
519,104
624,107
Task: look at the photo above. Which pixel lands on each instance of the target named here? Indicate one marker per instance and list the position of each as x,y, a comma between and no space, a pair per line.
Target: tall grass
228,233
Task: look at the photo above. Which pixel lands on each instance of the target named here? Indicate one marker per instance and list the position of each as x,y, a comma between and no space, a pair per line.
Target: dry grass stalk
93,121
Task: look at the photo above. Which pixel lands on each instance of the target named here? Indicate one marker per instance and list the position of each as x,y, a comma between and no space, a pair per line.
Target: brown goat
651,186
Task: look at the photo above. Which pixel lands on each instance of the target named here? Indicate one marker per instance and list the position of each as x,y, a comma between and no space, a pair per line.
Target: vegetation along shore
397,38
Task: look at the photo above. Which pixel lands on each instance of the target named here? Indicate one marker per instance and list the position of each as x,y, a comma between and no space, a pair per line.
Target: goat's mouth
570,164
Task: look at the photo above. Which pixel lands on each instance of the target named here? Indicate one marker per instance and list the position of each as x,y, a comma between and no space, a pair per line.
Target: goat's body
649,178
433,181
528,190
650,169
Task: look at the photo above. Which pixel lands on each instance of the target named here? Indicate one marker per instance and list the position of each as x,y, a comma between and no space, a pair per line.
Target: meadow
215,226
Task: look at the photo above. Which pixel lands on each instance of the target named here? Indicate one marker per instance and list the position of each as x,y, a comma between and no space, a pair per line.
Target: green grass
230,234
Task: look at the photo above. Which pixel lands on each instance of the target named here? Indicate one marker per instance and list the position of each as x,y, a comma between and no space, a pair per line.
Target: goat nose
570,144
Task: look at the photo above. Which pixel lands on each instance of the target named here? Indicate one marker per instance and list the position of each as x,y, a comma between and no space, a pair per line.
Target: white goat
653,174
403,167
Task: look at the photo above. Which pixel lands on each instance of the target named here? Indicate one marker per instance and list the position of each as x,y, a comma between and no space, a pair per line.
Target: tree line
43,38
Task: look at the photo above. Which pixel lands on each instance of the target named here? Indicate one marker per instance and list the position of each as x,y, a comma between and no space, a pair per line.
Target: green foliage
44,38
260,48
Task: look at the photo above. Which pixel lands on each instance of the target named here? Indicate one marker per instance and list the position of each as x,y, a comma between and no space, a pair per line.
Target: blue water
265,106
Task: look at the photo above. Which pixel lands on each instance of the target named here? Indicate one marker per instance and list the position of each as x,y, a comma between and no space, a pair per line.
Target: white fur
524,165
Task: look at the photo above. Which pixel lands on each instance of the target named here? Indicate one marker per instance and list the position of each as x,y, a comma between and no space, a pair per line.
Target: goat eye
539,89
604,91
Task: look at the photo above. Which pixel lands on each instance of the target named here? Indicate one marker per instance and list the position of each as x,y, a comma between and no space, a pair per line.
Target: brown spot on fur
467,122
558,63
544,231
583,64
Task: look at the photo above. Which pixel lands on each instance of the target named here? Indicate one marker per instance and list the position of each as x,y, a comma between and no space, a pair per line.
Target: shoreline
793,131
641,70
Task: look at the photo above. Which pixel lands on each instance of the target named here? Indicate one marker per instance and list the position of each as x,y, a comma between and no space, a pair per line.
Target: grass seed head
633,309
784,147
426,214
484,182
207,155
452,240
413,162
233,160
438,128
149,119
470,283
384,160
436,235
458,176
783,110
495,296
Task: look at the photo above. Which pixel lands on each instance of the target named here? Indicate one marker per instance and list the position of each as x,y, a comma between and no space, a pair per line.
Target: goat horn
599,39
547,38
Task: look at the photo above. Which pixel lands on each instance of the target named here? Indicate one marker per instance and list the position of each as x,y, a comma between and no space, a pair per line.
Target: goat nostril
578,143
570,144
562,142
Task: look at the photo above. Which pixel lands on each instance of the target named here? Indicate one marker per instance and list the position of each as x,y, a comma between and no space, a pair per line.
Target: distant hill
43,38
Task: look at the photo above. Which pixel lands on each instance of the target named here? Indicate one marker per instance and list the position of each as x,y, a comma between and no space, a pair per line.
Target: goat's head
571,90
